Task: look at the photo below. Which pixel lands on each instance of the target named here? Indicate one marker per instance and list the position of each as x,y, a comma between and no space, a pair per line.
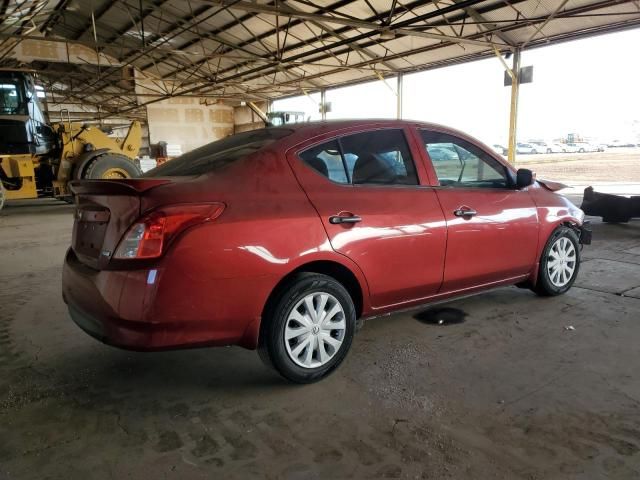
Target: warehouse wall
245,119
187,122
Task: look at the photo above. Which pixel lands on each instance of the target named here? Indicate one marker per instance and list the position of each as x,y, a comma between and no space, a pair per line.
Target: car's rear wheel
308,328
549,150
559,263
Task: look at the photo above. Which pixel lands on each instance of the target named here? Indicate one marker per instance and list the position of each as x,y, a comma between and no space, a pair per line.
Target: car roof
331,125
308,130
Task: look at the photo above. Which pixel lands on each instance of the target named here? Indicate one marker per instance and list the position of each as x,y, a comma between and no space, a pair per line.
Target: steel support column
323,103
513,113
399,97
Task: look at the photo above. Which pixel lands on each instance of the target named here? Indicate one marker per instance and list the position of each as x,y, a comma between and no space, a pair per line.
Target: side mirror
524,178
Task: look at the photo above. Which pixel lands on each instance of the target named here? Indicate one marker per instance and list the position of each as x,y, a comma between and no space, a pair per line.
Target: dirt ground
504,389
619,165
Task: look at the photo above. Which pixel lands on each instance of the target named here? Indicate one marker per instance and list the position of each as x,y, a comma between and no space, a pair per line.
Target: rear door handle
336,219
464,212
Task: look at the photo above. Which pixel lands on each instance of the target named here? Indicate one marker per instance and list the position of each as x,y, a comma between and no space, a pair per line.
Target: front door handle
464,212
336,219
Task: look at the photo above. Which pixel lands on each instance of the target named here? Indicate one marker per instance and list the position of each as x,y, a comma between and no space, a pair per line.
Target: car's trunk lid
105,209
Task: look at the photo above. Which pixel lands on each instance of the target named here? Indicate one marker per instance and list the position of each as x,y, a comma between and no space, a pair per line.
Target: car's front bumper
585,233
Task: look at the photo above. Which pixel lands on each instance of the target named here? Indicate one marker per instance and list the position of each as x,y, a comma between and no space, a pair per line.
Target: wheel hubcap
315,330
561,263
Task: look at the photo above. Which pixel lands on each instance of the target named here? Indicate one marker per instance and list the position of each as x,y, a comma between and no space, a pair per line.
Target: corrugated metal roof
266,49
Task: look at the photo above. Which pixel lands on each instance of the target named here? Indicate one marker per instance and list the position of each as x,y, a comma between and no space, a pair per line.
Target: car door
367,192
492,227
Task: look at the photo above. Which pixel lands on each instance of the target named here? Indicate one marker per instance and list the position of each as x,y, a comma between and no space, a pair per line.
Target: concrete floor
502,390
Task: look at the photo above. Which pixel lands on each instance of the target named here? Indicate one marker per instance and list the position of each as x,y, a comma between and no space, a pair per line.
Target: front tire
559,263
111,166
307,330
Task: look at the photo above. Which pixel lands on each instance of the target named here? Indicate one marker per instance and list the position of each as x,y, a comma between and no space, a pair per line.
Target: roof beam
97,16
286,11
238,21
259,71
478,17
350,41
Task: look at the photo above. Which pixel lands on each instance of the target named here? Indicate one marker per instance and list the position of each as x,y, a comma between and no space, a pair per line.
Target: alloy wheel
315,330
561,262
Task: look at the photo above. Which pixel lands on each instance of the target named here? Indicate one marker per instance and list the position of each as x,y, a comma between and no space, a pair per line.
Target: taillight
148,236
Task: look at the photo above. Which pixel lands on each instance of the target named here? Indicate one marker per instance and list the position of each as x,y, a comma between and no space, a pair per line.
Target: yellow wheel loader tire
2,195
111,167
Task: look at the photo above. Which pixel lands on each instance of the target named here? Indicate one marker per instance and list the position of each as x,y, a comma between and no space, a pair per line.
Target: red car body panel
211,285
402,230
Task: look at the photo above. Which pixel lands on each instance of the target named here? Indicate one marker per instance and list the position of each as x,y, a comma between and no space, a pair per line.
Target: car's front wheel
308,329
559,263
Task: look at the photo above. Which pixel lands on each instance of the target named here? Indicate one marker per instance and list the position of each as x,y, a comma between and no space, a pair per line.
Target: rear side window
326,160
379,157
217,155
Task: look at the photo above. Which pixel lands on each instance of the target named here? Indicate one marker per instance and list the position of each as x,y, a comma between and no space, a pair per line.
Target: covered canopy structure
97,52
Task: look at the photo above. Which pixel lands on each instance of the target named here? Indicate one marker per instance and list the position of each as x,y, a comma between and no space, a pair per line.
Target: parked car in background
560,147
582,147
621,143
545,147
526,148
272,239
500,149
571,147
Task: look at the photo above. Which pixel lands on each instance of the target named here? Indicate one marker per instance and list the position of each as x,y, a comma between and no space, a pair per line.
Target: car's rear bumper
112,331
124,309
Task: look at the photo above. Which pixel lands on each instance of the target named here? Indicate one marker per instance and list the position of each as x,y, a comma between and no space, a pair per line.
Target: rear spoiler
127,186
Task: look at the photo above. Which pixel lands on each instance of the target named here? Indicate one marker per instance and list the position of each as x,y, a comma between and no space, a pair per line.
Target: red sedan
279,239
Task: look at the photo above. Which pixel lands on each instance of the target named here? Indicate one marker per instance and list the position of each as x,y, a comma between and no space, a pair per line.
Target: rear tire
2,195
308,328
559,263
111,166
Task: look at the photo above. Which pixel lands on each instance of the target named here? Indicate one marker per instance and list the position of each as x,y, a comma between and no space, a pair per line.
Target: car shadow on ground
99,375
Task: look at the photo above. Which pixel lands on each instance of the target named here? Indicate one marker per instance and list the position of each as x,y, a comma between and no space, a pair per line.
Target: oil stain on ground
441,316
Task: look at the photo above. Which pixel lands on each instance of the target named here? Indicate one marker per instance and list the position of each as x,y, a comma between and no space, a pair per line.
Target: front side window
379,157
459,163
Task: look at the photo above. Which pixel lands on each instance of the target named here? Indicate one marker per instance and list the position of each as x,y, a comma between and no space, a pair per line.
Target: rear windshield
217,155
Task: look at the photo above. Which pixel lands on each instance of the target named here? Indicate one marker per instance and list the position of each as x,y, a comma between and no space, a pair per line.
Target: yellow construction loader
38,159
